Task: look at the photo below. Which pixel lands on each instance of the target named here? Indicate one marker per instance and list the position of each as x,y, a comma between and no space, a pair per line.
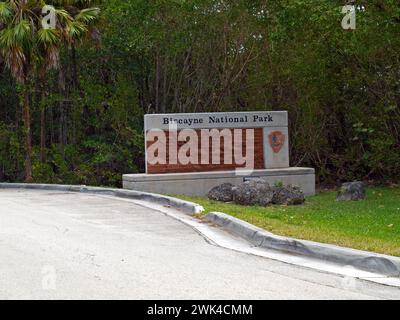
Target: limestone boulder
253,192
351,191
289,195
222,193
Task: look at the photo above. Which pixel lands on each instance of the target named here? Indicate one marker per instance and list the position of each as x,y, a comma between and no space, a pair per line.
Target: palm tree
29,50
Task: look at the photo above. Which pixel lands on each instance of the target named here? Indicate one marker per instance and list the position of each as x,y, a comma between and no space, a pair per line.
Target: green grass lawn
373,224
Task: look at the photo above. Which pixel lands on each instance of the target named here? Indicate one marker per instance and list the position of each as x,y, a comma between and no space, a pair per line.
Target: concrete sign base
200,183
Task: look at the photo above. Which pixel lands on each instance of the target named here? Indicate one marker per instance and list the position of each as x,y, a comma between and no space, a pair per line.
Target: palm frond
22,33
63,16
5,12
26,47
48,37
75,30
6,38
88,15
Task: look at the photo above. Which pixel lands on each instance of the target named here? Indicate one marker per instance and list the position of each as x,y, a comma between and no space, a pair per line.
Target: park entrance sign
191,153
216,141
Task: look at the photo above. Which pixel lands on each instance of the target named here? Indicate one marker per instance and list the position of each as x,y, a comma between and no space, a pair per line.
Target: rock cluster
257,192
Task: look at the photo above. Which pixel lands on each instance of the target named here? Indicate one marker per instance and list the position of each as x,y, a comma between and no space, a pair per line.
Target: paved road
74,246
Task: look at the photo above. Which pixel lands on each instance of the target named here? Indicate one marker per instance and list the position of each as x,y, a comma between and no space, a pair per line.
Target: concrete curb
362,260
185,206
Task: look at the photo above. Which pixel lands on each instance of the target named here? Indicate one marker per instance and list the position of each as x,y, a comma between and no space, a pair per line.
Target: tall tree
30,49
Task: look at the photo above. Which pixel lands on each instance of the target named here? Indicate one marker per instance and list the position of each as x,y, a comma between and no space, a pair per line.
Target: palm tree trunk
75,78
42,135
61,129
28,136
44,94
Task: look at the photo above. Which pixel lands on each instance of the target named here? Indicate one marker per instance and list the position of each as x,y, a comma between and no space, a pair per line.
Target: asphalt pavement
60,245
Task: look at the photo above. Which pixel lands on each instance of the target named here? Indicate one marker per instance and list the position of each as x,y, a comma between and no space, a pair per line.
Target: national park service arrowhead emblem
276,140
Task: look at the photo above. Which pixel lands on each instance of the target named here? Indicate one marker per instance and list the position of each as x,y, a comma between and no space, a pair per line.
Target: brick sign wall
260,135
199,167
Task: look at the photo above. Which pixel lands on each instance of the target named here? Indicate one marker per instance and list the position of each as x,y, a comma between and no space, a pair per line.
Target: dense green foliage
341,88
372,224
